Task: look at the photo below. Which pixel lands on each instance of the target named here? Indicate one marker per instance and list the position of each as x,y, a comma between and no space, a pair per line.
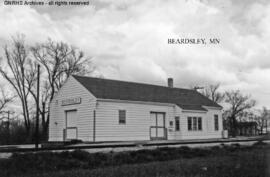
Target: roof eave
213,107
135,102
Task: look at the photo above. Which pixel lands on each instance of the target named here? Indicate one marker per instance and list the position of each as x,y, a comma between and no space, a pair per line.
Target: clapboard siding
211,124
188,134
72,89
207,125
137,124
138,119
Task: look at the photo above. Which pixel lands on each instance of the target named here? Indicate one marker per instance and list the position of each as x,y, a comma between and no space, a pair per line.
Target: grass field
219,161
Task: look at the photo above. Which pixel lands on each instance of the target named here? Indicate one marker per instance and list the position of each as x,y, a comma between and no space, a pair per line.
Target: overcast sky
128,39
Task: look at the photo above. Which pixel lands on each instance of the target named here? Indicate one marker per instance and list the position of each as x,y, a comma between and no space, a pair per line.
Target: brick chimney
170,82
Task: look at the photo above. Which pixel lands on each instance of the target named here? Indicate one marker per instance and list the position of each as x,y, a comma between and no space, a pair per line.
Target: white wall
207,125
137,120
72,89
212,133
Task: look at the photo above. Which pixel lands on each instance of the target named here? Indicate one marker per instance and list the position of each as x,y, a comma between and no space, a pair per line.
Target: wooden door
157,127
71,125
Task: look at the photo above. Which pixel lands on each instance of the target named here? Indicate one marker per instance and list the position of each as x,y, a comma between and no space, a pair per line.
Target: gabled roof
112,89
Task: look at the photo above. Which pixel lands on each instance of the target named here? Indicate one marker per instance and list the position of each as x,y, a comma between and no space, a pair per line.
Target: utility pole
8,123
37,111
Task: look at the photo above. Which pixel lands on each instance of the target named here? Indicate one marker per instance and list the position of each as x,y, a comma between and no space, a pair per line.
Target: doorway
157,127
71,131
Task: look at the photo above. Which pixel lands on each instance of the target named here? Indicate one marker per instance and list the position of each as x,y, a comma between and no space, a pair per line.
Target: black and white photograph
135,88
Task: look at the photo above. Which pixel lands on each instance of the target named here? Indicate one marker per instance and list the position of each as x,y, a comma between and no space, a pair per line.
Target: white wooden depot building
94,109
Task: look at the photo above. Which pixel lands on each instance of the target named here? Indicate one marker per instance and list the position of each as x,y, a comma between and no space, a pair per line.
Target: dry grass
223,161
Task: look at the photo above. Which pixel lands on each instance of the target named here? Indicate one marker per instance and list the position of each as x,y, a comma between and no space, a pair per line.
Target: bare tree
16,73
44,94
5,99
59,61
248,115
238,104
263,119
212,93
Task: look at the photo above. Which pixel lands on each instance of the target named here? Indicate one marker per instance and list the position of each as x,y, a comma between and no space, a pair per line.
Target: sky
128,40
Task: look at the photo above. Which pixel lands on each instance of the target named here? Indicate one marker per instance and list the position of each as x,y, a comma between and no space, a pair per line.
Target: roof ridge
126,90
131,82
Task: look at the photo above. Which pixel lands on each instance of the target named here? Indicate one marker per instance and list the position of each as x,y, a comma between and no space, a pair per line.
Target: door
157,128
71,125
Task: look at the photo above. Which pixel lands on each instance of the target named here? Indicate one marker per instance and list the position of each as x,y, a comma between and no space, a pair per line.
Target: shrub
98,159
80,155
23,163
260,143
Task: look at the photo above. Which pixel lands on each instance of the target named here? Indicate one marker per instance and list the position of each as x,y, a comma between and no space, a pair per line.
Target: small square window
122,116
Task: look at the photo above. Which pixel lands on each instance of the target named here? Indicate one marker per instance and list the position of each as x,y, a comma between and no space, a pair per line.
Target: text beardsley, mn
202,41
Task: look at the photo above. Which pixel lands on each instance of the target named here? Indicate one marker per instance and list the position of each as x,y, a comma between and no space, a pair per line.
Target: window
199,123
189,123
177,124
171,123
216,122
122,116
194,123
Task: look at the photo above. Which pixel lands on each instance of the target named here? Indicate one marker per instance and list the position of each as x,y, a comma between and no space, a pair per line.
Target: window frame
177,123
199,119
189,119
216,122
122,117
194,123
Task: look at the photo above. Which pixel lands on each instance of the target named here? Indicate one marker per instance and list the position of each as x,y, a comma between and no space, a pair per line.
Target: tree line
239,109
18,66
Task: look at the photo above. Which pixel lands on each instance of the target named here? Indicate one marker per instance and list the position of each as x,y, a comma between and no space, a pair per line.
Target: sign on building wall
71,101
